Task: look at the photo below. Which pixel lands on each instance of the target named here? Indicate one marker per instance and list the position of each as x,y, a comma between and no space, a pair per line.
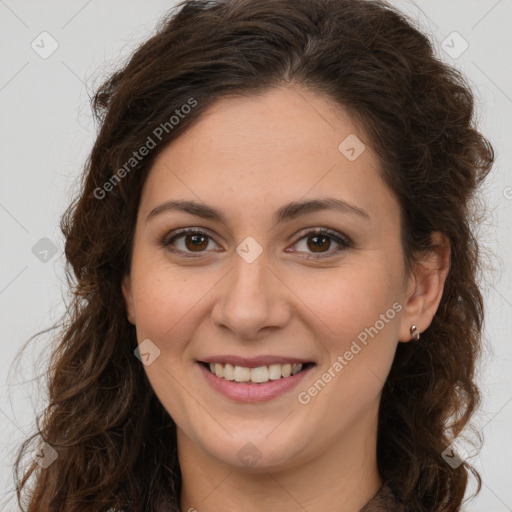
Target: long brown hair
116,443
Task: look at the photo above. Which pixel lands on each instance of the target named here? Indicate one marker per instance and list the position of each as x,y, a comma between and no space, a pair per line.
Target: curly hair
116,443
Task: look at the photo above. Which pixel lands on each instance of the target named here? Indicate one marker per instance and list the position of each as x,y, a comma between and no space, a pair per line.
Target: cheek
165,297
361,309
356,299
164,306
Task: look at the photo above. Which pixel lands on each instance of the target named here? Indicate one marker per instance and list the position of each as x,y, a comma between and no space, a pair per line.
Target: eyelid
322,231
170,237
341,239
344,242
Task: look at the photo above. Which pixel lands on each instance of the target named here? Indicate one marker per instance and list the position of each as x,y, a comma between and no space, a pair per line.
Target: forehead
282,145
285,122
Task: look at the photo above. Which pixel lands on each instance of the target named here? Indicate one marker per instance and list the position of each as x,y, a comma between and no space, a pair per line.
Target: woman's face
258,288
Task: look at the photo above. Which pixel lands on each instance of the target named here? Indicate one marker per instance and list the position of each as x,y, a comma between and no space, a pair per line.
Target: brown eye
188,242
320,242
193,242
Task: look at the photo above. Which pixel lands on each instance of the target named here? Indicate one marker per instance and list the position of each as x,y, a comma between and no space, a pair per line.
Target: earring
414,332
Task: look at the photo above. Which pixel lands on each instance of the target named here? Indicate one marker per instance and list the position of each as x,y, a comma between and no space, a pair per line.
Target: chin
254,453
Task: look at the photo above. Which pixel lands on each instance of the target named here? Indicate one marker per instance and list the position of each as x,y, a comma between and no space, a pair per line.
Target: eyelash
343,241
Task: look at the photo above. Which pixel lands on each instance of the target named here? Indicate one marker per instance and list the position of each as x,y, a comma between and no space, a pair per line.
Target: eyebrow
285,213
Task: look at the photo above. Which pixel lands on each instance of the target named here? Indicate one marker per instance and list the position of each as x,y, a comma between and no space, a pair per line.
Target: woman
318,350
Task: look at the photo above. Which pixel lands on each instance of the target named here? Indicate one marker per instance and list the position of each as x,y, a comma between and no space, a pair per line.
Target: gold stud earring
414,332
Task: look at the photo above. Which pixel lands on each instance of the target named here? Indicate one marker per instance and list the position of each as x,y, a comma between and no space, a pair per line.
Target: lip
254,362
250,391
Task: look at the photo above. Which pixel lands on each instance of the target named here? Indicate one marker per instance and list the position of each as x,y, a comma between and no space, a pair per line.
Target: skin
248,157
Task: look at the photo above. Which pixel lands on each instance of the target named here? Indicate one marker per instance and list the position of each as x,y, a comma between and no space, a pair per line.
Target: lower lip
250,391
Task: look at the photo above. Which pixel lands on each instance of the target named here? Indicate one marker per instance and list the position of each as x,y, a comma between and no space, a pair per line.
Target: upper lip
253,362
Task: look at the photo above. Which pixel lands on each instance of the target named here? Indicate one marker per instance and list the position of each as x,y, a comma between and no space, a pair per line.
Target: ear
425,287
128,298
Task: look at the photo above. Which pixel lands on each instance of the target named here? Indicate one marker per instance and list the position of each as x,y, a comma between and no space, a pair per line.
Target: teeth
258,375
274,371
241,374
228,372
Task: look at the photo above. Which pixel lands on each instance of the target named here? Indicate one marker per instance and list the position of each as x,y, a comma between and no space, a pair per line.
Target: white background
46,132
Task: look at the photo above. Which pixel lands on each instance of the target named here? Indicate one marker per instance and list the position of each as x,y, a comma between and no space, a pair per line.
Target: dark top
384,501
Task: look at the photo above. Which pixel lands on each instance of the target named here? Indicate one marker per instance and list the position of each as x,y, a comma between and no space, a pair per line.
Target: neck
343,478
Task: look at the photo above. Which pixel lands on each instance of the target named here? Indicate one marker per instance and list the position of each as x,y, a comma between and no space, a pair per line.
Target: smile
256,383
258,375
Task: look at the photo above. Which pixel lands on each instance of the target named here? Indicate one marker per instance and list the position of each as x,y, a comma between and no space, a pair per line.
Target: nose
252,299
